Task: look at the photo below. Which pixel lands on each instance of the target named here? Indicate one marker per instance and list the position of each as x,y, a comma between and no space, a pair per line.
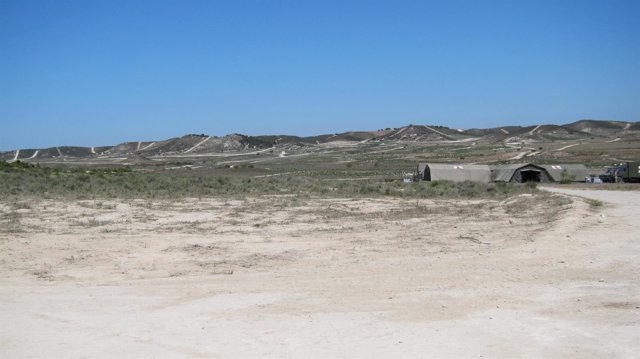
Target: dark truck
624,172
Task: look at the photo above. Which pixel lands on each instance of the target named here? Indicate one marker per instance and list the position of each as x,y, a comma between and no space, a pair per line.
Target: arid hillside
581,132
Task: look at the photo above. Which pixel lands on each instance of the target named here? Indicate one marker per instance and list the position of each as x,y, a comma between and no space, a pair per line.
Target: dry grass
98,187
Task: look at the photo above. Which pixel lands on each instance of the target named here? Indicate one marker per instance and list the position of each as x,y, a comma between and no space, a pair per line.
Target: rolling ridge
199,144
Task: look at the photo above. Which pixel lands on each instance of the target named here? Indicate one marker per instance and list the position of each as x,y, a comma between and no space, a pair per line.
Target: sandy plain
530,276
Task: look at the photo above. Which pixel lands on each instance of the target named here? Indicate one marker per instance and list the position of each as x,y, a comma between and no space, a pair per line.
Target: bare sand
530,277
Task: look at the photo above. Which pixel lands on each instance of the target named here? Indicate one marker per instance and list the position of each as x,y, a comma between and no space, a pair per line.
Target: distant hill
195,144
529,133
423,133
602,128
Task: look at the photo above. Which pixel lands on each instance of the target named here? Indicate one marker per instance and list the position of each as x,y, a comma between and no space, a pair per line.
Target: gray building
567,172
453,172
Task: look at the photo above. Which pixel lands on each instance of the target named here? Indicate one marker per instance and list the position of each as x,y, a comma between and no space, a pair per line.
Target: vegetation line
23,180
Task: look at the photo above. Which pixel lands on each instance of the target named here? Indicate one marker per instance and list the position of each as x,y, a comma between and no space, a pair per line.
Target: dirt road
327,278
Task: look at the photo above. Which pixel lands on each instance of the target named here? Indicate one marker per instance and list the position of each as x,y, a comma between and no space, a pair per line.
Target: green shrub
566,177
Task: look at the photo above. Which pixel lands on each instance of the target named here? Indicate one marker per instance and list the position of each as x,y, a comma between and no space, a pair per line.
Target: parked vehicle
408,177
593,179
623,172
609,175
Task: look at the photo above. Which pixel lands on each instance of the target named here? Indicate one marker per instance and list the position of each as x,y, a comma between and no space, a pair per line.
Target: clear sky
103,72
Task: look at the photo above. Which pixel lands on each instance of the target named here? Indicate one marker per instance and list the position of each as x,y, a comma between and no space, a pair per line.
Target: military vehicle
623,172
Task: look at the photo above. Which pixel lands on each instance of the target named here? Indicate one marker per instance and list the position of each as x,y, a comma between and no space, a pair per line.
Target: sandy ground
531,276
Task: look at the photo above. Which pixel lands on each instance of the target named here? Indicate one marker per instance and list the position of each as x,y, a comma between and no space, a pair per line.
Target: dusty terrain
531,276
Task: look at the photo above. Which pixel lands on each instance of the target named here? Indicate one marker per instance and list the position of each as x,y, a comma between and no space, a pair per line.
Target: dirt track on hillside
281,277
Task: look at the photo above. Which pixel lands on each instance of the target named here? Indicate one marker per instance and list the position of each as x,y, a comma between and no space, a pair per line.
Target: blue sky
103,72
